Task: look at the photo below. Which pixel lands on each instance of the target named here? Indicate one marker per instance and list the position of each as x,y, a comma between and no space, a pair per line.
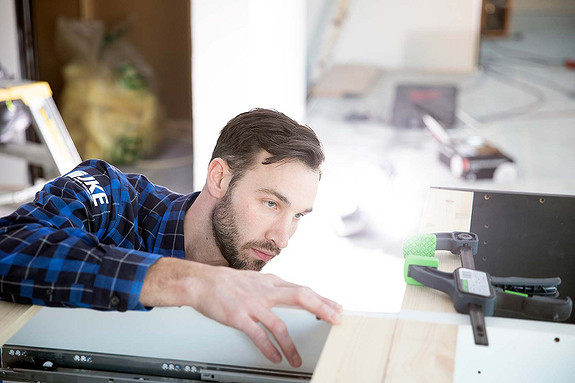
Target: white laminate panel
170,333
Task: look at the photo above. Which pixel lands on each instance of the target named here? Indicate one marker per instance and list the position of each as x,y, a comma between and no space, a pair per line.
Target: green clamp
417,260
419,250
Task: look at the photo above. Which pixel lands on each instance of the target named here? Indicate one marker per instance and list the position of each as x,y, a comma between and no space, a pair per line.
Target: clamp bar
478,325
466,254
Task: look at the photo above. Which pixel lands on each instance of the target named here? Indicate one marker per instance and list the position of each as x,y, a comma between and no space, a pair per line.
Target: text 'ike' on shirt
92,186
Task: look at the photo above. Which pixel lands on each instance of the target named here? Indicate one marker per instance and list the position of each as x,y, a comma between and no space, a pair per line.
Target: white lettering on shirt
91,185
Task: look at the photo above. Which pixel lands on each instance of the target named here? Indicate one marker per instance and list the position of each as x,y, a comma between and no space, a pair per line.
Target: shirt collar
170,239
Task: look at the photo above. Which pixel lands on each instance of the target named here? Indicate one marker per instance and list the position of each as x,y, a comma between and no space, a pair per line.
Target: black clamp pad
455,240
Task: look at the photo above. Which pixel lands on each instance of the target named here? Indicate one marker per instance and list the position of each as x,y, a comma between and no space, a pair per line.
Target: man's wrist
172,282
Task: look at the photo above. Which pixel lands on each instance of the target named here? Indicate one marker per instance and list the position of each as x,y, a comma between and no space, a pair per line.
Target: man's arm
68,267
52,250
236,298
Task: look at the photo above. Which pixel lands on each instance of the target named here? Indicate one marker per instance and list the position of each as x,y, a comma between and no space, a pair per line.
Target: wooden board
422,350
356,350
370,349
446,210
13,317
425,350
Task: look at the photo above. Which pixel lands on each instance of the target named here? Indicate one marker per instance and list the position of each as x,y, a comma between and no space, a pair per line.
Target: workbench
427,341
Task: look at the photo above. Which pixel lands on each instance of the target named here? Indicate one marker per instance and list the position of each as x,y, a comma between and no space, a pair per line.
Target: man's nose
281,232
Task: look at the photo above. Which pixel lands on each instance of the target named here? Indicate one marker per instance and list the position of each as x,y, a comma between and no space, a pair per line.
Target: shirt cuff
120,279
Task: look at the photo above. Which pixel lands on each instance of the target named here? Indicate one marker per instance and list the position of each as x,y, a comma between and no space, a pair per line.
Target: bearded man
102,239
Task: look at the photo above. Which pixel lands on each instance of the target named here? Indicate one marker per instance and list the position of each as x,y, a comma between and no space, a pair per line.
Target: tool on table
434,106
475,292
470,157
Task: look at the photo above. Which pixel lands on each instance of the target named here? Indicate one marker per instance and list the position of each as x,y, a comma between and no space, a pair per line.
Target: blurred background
405,95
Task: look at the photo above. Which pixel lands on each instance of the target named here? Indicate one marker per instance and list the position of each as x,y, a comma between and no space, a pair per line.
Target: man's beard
226,234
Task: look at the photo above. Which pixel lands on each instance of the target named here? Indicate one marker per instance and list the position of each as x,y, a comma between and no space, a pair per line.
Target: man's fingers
334,305
306,298
280,332
260,338
297,295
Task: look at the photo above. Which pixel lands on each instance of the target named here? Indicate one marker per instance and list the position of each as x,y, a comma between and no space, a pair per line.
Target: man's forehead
293,181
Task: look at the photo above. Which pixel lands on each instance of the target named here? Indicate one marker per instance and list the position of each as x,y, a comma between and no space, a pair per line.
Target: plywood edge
13,317
356,350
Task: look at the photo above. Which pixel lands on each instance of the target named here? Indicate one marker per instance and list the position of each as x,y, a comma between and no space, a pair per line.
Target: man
100,238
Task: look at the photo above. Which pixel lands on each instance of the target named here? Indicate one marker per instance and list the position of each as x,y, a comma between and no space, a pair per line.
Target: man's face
260,212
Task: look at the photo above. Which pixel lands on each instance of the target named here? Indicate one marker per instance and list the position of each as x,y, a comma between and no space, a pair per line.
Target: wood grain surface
446,210
356,350
422,351
13,317
371,349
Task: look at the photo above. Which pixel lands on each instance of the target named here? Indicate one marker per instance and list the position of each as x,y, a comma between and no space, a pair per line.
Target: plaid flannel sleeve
53,251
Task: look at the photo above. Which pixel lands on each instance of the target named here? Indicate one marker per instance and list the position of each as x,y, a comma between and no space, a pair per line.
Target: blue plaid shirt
88,239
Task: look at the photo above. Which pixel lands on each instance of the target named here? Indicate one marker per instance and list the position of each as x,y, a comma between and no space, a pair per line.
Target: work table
427,341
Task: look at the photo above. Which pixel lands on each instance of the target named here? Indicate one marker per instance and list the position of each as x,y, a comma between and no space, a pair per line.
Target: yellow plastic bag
107,103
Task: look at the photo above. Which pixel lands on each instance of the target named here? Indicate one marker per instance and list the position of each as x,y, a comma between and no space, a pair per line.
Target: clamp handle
530,286
447,283
535,307
433,278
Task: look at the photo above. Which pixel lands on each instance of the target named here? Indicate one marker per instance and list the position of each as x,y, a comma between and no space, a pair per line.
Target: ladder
56,153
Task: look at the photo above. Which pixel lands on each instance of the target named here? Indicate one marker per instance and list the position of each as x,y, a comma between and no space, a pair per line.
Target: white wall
245,54
14,171
9,56
429,35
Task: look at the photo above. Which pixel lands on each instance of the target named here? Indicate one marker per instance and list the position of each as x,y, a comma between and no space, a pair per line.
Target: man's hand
240,299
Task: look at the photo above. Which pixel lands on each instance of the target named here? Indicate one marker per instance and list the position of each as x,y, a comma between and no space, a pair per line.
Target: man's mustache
263,245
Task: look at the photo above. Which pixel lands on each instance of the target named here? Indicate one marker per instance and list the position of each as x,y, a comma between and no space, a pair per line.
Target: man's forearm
172,282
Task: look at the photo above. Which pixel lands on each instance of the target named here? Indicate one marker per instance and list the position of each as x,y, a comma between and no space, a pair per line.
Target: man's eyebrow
277,194
281,197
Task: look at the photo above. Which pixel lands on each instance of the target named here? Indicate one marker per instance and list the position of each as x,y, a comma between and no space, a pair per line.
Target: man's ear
219,177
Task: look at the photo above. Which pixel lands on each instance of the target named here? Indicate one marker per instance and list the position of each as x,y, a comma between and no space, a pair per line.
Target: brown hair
246,134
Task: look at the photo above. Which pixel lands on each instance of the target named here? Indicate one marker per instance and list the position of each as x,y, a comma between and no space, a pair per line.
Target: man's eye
270,204
299,216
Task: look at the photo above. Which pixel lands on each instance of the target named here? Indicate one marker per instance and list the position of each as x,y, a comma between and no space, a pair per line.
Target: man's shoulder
99,176
105,173
93,180
94,167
